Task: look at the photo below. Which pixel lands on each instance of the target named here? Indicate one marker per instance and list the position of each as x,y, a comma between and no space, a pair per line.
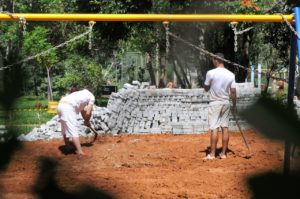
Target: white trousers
68,120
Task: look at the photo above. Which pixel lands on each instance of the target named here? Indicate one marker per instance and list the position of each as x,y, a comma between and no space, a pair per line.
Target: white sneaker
209,157
222,156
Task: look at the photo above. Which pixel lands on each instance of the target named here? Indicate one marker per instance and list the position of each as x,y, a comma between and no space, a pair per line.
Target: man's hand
87,123
87,113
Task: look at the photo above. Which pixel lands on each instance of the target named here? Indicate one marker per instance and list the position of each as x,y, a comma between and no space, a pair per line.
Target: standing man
68,109
220,83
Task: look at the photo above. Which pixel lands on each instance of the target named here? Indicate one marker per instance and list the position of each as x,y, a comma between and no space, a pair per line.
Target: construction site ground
141,166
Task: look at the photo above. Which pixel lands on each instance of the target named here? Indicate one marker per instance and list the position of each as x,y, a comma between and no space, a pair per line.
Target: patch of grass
30,102
25,116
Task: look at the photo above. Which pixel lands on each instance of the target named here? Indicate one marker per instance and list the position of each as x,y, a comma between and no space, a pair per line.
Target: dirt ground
142,166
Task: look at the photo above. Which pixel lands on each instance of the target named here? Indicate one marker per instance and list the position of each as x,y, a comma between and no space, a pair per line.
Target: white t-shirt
80,99
220,81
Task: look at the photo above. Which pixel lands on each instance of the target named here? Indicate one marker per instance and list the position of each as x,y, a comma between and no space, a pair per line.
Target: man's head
73,88
216,61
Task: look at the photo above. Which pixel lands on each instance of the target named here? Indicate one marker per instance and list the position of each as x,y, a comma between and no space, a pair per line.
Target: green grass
24,116
28,102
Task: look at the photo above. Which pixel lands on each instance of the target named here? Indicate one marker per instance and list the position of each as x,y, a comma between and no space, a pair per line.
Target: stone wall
134,110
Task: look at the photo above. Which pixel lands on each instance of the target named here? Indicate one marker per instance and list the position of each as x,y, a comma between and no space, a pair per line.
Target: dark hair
219,55
73,88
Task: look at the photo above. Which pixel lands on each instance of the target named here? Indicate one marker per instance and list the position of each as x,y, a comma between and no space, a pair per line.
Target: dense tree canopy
53,72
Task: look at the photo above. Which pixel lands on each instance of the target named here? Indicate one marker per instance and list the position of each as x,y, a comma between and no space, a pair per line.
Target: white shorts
68,120
218,115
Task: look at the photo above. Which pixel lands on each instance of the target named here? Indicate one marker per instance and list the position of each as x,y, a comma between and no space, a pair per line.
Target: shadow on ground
47,188
68,150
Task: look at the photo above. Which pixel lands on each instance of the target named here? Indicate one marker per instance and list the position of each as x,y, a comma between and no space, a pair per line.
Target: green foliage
8,33
36,40
125,6
84,72
111,38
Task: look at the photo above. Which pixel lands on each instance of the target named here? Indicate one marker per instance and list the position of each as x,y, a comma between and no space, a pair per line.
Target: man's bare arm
86,114
206,88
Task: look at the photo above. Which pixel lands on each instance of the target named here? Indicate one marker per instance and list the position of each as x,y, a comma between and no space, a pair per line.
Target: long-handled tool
243,136
94,131
95,134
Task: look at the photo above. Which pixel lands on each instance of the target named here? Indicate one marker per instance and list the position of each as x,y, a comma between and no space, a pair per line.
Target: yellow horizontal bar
146,17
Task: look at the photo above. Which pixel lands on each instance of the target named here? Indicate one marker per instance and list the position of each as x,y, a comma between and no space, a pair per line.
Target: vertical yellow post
52,107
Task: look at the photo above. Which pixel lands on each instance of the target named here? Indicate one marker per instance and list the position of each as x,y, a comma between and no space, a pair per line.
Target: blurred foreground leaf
8,146
274,119
274,185
46,186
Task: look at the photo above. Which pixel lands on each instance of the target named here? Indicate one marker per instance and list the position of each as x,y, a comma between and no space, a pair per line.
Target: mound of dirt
141,166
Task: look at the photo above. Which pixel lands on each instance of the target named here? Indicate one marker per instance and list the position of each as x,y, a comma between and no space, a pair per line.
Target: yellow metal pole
146,17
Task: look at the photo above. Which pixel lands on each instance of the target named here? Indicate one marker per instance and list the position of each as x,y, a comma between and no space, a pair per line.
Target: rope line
289,25
8,13
167,28
276,3
47,51
220,58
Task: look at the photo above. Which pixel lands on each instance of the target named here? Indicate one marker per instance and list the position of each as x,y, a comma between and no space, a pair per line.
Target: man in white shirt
220,83
68,109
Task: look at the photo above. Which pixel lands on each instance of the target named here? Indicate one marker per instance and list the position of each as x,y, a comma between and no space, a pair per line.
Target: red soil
147,166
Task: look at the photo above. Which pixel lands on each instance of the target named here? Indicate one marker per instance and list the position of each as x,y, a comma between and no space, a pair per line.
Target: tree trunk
157,63
184,75
202,60
1,75
228,48
242,73
181,82
35,87
162,76
50,95
13,6
161,68
150,68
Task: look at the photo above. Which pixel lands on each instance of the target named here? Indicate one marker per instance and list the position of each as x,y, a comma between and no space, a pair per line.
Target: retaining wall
136,110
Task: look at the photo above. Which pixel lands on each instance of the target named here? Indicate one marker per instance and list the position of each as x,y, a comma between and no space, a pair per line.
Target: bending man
220,83
68,109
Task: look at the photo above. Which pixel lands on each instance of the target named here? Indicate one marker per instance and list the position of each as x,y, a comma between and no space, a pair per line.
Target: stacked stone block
175,111
52,129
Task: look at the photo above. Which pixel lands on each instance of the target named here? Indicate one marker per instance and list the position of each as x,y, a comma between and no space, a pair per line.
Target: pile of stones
52,129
